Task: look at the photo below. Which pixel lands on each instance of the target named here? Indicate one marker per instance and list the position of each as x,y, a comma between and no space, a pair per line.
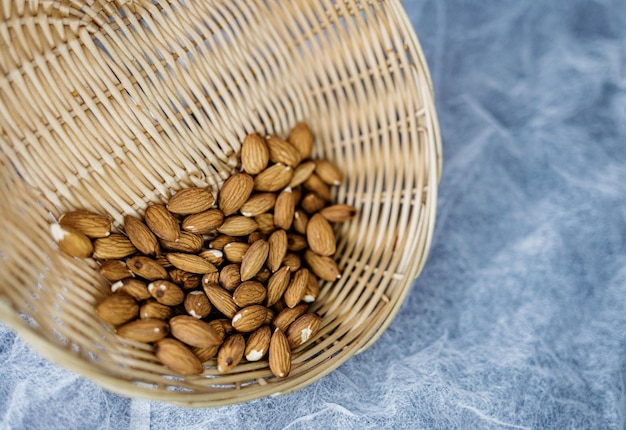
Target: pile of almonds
231,277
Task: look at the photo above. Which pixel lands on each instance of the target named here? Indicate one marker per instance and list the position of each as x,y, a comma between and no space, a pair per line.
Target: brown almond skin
162,223
213,256
136,288
238,225
175,355
301,138
312,203
282,151
113,247
114,270
312,289
91,224
186,242
221,299
257,204
292,261
277,249
118,309
235,192
315,184
297,287
254,154
258,343
279,354
323,267
249,318
194,332
273,178
197,304
249,293
300,220
265,223
327,172
320,236
284,209
185,280
222,240
146,268
302,329
254,259
235,251
190,201
72,241
141,236
338,212
203,222
154,309
296,242
191,263
288,315
277,284
302,173
206,353
229,277
144,330
166,292
230,353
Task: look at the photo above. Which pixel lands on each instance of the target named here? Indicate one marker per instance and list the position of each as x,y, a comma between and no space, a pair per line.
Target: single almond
191,263
194,332
302,329
338,212
312,289
297,287
315,184
154,309
277,284
197,304
204,222
327,172
136,288
91,224
190,201
238,225
254,259
235,192
277,249
230,353
221,299
220,241
118,309
186,242
146,268
235,251
293,261
230,277
166,292
302,139
175,355
284,209
302,173
249,318
113,247
72,241
254,236
258,204
282,151
211,278
279,354
144,330
258,343
162,223
265,223
114,270
254,154
263,275
141,236
273,178
249,293
296,242
300,220
185,280
206,353
320,236
324,267
288,315
312,203
213,256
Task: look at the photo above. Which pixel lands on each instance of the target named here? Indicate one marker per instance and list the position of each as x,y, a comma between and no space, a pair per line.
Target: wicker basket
113,104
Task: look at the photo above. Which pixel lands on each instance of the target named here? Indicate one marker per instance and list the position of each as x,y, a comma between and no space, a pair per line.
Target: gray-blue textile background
519,318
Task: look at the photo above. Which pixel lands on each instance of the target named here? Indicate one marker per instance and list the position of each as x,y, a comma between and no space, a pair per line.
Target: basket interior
117,104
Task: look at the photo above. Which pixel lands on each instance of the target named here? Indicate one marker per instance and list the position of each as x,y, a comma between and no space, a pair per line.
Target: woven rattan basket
114,104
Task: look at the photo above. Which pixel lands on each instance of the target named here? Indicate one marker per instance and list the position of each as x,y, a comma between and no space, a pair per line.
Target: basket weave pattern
113,105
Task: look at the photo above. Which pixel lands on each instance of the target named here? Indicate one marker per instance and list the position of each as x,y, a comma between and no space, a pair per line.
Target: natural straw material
112,105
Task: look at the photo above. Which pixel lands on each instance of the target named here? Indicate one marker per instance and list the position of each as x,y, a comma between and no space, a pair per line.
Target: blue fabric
519,317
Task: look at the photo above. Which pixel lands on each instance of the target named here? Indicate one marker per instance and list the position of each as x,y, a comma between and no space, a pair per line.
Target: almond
300,220
324,267
277,249
114,270
288,315
265,223
258,343
263,275
297,287
144,330
327,172
185,280
302,329
178,357
91,224
275,177
320,236
249,293
254,236
279,354
302,173
136,288
191,263
237,225
292,261
213,256
221,299
282,151
206,353
230,277
254,154
220,241
186,242
197,304
254,259
277,284
194,332
235,251
203,222
154,309
190,201
302,139
235,192
162,223
211,278
71,241
315,184
118,309
146,267
141,236
312,289
284,209
296,242
249,318
166,292
312,203
338,212
113,247
258,204
230,353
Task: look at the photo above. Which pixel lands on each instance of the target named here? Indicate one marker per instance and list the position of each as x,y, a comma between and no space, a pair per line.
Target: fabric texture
518,320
